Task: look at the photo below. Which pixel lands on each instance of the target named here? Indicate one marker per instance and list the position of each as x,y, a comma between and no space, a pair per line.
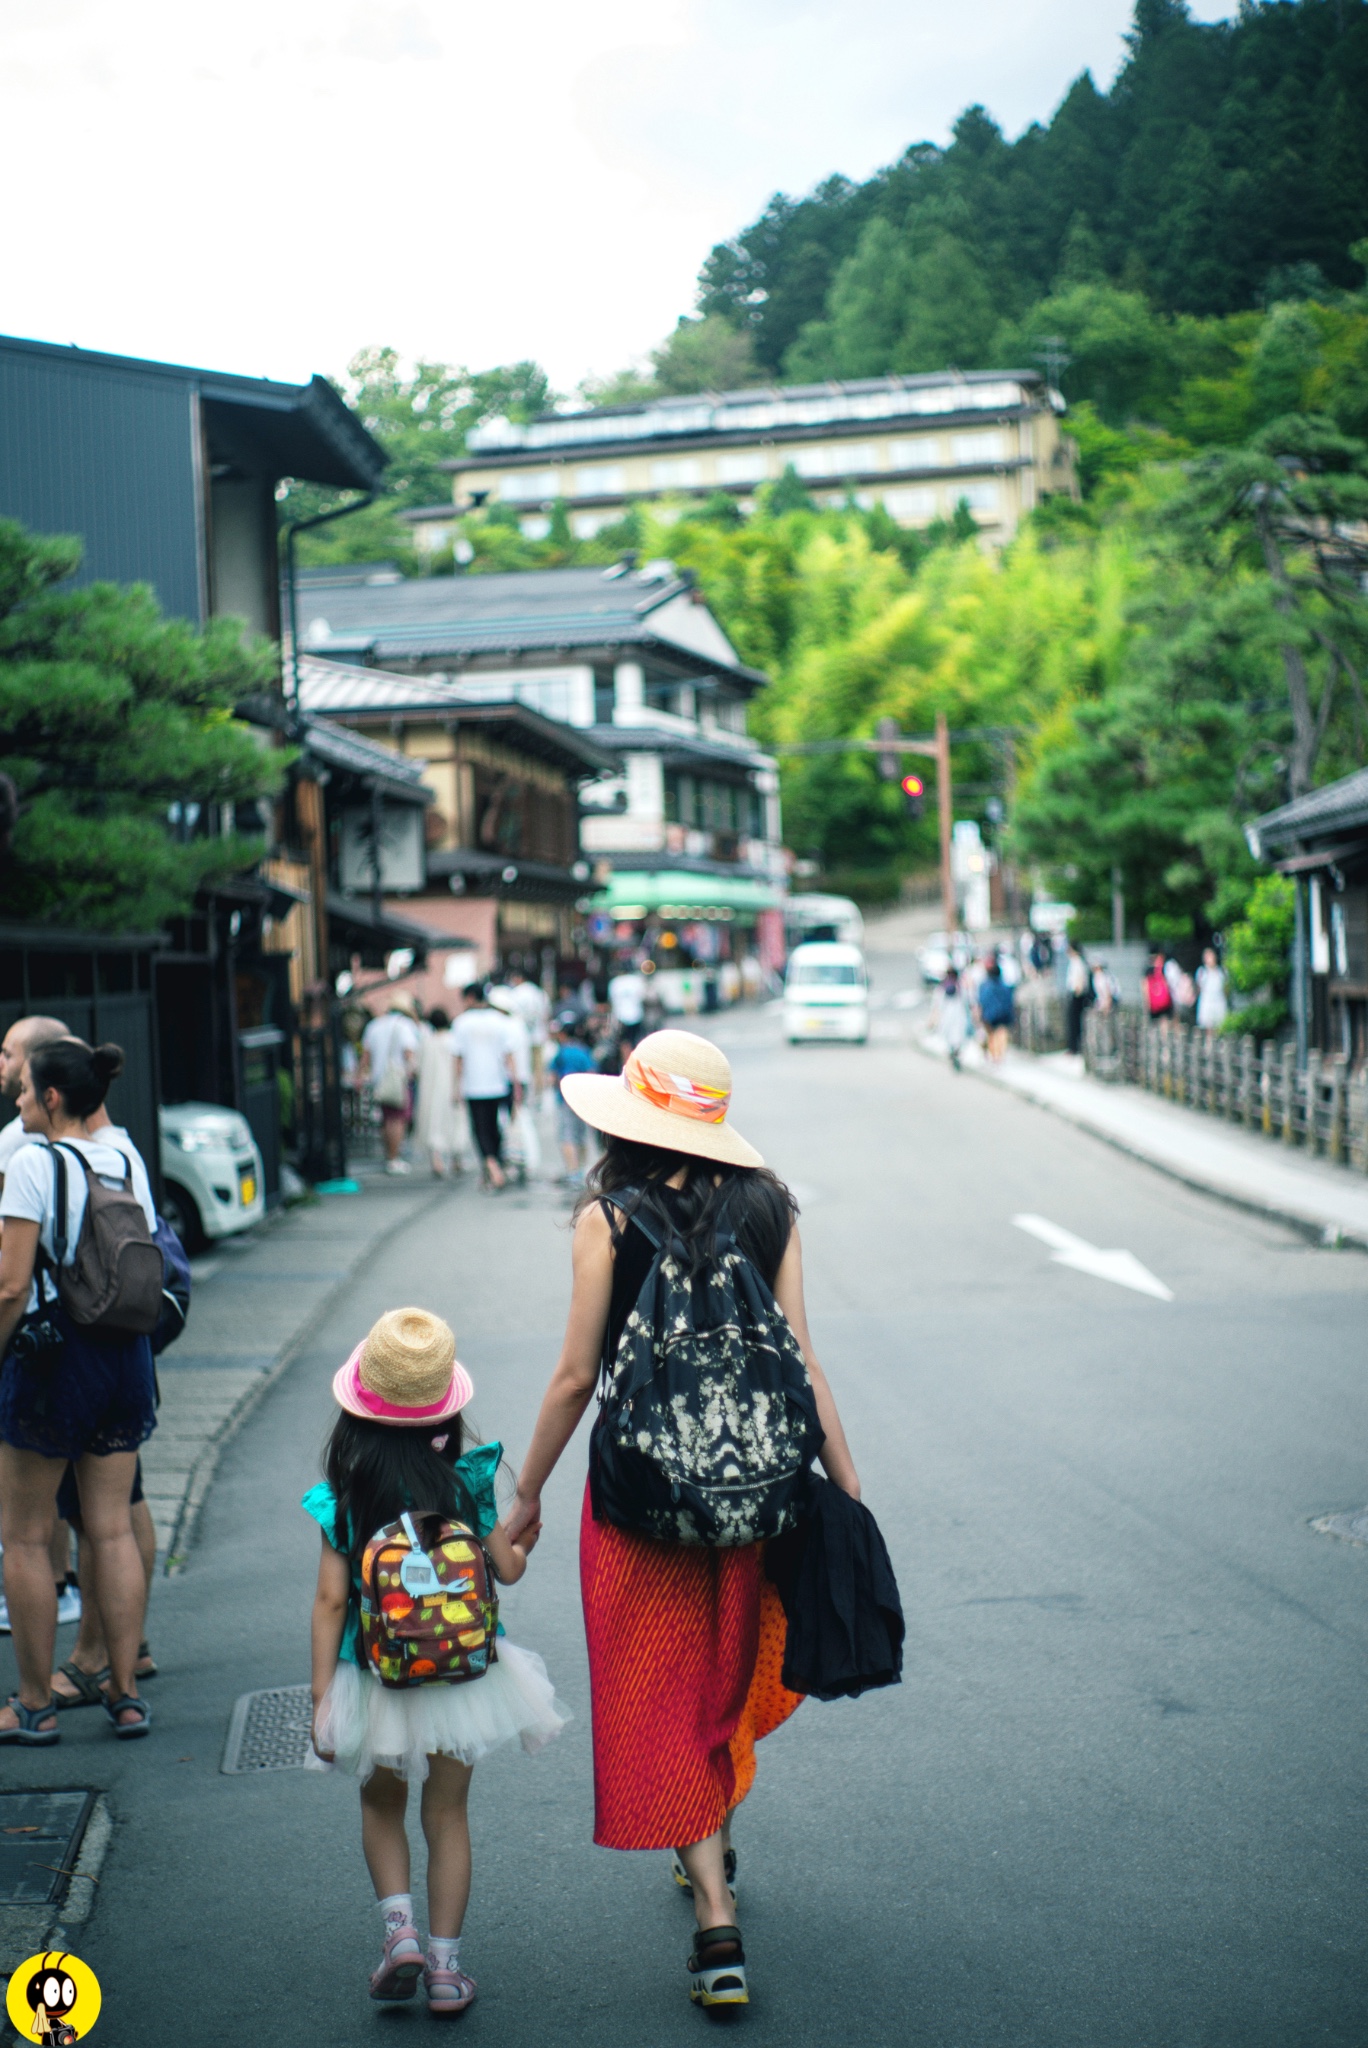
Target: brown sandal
89,1686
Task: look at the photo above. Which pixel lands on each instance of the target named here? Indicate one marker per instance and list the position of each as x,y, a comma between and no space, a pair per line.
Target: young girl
396,1448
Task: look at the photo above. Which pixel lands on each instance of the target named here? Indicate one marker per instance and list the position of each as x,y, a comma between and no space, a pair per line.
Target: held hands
523,1521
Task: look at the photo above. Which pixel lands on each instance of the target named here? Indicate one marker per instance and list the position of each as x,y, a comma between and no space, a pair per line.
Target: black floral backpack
707,1421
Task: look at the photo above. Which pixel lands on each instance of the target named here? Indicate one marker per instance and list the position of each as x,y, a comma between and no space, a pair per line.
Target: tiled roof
1334,808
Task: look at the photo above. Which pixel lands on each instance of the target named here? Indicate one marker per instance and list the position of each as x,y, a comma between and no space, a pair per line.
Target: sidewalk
1218,1158
256,1298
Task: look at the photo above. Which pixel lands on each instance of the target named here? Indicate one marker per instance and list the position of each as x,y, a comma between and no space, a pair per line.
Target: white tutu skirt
365,1723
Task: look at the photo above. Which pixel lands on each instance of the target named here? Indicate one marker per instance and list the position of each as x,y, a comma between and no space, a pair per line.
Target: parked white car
826,993
211,1172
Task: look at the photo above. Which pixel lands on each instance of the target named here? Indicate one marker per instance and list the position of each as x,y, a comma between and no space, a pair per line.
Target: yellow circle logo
54,1998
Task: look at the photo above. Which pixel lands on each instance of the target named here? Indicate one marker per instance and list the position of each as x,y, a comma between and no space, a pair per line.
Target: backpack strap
648,1230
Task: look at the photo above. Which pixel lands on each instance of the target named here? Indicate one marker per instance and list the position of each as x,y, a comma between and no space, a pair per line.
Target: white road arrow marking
1123,1268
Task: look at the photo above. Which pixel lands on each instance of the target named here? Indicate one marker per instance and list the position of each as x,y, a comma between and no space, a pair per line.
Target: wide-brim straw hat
405,1371
674,1092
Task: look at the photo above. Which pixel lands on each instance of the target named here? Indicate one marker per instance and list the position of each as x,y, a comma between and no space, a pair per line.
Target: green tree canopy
111,716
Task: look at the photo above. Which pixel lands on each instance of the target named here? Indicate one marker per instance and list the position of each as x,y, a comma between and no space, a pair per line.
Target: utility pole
944,803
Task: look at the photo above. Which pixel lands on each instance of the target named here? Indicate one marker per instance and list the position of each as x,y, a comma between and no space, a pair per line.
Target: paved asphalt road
1119,1800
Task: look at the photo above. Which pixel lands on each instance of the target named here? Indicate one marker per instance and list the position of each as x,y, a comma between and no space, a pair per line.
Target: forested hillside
1227,164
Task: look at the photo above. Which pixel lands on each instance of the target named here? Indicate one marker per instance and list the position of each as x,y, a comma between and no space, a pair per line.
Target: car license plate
247,1189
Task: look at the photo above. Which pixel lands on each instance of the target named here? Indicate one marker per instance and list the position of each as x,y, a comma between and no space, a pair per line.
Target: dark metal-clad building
168,474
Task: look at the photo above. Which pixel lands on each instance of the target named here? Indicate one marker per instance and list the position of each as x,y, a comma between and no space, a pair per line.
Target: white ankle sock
396,1911
444,1953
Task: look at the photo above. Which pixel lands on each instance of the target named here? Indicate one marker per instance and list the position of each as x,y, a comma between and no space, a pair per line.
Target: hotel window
680,803
980,497
923,453
536,526
676,473
529,486
603,480
747,466
911,503
584,525
980,447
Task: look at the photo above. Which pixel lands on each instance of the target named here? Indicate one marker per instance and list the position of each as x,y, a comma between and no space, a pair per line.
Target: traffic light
914,794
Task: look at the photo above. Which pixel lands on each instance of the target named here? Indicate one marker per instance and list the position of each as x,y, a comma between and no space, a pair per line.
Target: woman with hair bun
67,1393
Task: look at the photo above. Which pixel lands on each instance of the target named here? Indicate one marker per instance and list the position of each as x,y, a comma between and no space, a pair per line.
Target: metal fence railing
1323,1108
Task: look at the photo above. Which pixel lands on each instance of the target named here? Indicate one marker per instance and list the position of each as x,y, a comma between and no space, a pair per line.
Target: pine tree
117,729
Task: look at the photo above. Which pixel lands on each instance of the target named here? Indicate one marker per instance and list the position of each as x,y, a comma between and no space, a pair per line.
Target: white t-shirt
482,1040
11,1138
529,1002
388,1039
627,994
30,1186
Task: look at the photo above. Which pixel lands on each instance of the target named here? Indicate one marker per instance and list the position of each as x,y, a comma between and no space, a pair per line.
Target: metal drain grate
1352,1526
269,1730
39,1836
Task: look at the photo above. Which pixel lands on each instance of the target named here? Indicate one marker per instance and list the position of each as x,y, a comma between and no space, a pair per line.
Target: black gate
100,987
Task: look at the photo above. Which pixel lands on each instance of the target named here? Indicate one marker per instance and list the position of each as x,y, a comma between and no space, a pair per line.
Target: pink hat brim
349,1393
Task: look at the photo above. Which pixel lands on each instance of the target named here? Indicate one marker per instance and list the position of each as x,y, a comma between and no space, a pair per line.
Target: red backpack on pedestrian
1158,994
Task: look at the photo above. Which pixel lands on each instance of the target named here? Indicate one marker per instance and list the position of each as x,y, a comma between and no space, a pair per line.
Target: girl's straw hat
405,1371
674,1092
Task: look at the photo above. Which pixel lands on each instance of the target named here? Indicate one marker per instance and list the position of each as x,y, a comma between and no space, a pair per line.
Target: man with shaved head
15,1048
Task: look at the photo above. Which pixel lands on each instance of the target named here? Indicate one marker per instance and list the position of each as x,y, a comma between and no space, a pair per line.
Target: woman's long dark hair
750,1201
377,1472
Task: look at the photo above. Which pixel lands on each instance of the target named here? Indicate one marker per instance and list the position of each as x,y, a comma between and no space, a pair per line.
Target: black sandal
128,1731
717,1968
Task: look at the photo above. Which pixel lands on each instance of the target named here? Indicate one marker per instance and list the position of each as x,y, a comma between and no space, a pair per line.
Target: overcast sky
268,186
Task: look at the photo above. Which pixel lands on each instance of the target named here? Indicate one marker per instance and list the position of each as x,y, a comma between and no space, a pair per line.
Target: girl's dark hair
377,1472
439,1020
750,1201
80,1075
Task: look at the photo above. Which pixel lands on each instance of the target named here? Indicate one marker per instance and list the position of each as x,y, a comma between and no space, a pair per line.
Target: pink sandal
448,1990
401,1966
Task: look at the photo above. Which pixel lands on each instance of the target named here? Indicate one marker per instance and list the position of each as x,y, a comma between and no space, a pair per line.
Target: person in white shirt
94,1411
15,1048
1212,1007
390,1047
529,1002
627,1000
486,1076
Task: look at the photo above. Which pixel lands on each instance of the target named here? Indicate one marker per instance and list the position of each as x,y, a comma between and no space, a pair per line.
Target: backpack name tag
418,1574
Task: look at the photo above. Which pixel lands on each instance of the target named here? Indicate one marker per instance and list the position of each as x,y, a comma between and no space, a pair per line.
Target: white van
808,919
826,993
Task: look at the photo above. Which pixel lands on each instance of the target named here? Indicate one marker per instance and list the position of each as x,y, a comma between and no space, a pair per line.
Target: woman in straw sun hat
397,1456
685,1640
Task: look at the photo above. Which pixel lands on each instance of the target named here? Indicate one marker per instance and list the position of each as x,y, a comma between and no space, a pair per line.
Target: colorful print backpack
429,1612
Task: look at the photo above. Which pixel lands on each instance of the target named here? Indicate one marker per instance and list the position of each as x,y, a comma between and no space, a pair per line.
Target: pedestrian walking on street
439,1125
411,1679
1158,990
486,1080
390,1046
572,1056
686,1637
69,1391
996,1008
1078,994
952,1016
1212,1007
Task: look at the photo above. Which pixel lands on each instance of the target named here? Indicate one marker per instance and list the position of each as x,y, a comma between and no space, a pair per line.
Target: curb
206,1463
1326,1235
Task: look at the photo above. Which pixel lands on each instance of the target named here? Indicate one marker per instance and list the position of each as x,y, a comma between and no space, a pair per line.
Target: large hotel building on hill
918,445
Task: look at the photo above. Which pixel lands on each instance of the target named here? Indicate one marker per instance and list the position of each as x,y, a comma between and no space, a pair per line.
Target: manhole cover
269,1730
40,1833
1352,1525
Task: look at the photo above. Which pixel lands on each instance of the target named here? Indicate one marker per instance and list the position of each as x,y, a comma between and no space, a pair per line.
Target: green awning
673,894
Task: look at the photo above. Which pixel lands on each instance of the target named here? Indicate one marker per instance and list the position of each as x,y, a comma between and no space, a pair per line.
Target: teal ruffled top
476,1472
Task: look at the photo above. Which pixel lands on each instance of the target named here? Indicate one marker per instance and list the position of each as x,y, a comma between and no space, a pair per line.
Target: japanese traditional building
1321,841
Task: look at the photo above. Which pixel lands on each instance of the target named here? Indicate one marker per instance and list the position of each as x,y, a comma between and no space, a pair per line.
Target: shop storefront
707,939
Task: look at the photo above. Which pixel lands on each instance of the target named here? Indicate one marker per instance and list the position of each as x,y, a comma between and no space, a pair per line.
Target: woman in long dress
441,1120
686,1643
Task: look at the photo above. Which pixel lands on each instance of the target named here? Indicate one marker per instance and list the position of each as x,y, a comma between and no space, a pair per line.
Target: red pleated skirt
685,1651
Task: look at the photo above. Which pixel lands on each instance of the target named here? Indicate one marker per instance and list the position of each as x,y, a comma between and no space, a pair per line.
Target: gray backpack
113,1286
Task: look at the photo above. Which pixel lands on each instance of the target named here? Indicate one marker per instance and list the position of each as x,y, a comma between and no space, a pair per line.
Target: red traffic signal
912,785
